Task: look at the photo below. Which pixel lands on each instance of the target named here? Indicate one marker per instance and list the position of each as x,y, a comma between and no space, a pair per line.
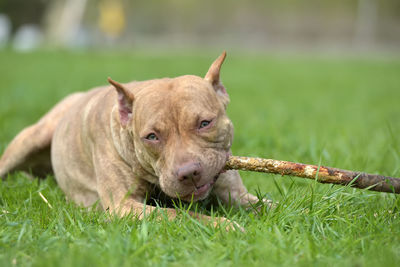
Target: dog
114,145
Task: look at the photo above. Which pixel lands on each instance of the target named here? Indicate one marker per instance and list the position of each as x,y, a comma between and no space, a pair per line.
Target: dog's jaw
203,191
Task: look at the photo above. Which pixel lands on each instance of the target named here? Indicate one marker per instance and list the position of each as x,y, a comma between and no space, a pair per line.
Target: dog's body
115,143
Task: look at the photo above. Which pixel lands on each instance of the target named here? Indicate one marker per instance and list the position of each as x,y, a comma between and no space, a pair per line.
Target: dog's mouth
202,191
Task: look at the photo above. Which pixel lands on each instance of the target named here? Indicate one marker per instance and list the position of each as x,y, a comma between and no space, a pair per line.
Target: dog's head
180,130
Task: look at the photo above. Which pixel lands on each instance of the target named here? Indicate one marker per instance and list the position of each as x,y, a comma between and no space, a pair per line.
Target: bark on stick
321,173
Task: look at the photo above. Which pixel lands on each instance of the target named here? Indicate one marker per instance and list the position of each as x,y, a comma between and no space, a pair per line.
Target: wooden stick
321,173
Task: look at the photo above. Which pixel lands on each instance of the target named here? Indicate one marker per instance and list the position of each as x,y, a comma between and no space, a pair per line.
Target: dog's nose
190,171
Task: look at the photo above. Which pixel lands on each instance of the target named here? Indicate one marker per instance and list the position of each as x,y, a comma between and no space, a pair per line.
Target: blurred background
343,25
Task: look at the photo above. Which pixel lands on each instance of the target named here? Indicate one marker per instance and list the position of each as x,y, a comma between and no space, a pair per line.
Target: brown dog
116,143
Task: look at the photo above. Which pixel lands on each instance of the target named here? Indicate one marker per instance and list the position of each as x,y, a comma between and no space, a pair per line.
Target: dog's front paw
222,223
251,202
269,203
263,206
228,225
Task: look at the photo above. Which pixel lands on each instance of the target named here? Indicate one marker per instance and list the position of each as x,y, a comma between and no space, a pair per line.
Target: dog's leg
30,149
140,210
131,205
230,189
121,194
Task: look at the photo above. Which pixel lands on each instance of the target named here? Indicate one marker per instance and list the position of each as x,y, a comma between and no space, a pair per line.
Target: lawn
331,110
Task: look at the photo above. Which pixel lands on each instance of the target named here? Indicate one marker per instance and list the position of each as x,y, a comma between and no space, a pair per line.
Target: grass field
334,111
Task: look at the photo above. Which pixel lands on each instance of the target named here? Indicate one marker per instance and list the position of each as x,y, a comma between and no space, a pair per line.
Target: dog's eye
204,124
152,137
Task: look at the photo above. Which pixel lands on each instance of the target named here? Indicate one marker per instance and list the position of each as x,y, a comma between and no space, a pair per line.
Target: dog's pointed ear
213,76
125,100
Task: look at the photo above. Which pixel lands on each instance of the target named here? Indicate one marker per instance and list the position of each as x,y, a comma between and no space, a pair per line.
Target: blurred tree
366,23
23,12
63,20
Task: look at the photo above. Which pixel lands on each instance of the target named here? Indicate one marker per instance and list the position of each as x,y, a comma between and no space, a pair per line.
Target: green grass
340,112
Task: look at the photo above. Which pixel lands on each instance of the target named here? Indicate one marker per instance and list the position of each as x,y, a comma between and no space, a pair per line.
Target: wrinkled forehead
179,100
